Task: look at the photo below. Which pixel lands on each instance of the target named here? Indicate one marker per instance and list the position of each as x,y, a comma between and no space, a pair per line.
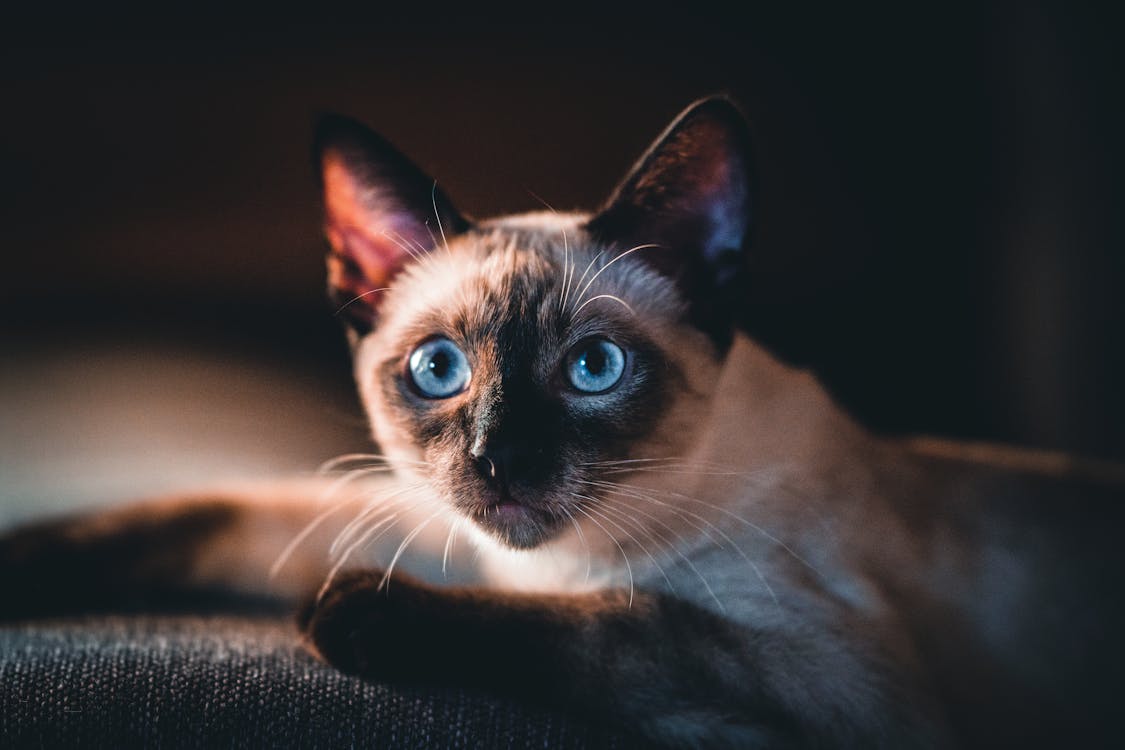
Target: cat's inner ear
690,195
381,212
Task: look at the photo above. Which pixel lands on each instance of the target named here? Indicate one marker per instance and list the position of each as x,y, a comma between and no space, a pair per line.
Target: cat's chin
515,524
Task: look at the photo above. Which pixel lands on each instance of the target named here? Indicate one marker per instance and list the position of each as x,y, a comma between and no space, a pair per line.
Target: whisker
573,267
605,296
608,505
549,549
589,266
674,460
681,512
545,203
367,536
332,463
582,538
341,481
403,245
402,548
375,467
628,491
302,536
599,272
684,516
613,539
316,522
615,462
640,546
756,528
566,263
689,468
353,475
357,298
673,547
422,249
454,526
437,216
676,470
433,237
374,506
741,520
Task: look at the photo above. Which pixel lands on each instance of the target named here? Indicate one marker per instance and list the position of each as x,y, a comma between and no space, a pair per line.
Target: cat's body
706,549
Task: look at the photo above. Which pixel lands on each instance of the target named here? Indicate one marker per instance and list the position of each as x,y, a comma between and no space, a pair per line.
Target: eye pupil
594,360
439,364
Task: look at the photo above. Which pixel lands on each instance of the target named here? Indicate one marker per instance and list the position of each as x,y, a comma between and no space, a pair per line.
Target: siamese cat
677,533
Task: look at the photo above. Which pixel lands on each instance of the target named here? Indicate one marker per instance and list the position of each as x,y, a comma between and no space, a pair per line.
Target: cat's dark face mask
513,363
515,390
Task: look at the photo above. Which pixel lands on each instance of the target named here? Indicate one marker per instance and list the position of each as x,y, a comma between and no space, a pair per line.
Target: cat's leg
156,551
675,673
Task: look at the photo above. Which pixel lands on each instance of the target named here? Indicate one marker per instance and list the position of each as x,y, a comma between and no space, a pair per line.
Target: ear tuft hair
381,211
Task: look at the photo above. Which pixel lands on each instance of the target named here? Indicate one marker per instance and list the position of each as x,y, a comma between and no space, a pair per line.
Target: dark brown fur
135,557
596,654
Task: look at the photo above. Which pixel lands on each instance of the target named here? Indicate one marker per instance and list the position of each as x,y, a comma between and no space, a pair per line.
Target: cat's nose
500,465
493,464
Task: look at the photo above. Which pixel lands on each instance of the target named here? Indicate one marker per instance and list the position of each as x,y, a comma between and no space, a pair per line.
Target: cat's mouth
513,521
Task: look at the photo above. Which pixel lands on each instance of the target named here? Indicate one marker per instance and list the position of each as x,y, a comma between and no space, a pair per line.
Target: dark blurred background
939,231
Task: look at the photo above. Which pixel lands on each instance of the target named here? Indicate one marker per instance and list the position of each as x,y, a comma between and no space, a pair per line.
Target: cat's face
504,377
508,365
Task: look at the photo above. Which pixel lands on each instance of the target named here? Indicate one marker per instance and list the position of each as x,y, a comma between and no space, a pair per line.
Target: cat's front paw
363,628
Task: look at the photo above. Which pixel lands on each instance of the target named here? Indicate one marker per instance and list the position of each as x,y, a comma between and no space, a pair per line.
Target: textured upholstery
233,681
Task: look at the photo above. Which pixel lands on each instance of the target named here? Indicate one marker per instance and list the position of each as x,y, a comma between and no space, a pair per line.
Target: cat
677,532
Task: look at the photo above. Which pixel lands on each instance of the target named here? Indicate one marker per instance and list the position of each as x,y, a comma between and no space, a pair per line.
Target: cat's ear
690,196
381,211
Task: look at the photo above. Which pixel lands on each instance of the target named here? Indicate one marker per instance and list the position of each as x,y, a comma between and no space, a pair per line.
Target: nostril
486,466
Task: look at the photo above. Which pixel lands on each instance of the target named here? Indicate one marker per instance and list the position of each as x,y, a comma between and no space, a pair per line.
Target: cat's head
512,364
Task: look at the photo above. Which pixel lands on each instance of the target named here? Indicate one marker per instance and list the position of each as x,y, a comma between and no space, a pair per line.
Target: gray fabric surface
233,681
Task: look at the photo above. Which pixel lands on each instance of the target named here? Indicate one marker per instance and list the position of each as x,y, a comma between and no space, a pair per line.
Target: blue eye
439,369
595,366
